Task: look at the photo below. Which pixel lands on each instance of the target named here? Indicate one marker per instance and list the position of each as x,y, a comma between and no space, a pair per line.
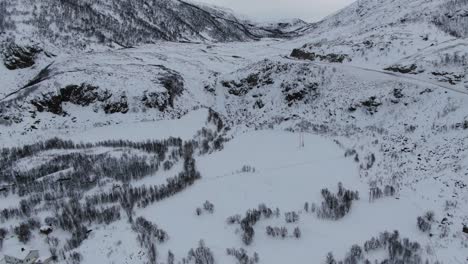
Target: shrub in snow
291,217
234,219
297,232
425,222
198,211
23,231
247,168
277,231
209,207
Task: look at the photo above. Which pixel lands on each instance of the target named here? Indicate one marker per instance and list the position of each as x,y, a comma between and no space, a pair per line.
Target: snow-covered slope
339,140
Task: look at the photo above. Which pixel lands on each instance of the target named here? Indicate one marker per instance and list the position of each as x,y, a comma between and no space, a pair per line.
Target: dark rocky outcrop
82,95
19,57
296,93
403,69
371,105
331,57
449,77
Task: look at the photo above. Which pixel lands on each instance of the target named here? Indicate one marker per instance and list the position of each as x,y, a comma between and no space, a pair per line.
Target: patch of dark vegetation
147,231
23,230
252,216
242,257
398,93
331,57
336,206
282,232
19,57
403,69
377,193
201,255
174,84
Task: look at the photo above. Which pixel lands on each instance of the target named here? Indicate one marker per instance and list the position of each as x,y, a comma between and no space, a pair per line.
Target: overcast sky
266,10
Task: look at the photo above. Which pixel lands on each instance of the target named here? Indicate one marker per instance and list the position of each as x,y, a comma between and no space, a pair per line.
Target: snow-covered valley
343,140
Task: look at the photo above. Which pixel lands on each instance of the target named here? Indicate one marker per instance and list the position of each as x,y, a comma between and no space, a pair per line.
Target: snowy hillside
343,141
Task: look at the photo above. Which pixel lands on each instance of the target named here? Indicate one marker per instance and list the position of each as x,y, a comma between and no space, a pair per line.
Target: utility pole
301,140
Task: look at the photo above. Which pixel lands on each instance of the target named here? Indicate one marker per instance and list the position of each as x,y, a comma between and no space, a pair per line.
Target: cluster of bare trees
397,249
242,256
377,193
336,206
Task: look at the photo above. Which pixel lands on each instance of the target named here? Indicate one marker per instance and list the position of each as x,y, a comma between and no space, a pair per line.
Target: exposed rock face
156,100
332,57
120,106
18,57
82,95
298,93
402,69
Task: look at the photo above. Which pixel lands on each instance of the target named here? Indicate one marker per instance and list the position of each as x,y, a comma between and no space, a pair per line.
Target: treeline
143,196
159,147
396,248
148,234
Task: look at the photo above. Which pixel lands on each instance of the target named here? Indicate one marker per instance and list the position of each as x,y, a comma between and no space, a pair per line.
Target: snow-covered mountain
80,24
344,139
416,37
